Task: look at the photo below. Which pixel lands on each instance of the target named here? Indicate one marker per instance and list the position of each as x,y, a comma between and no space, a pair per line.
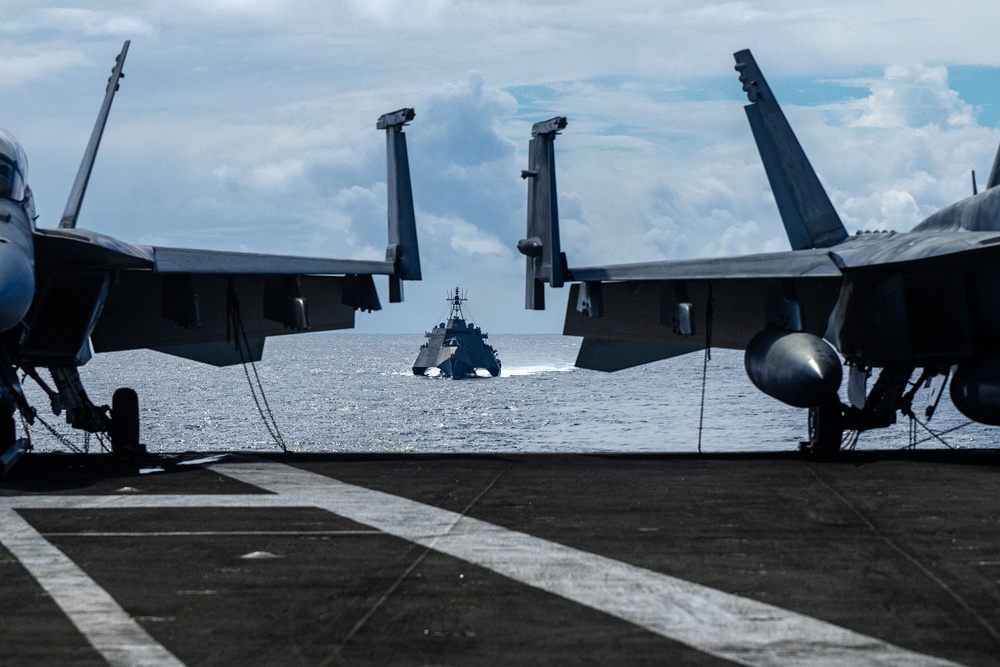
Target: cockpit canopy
13,168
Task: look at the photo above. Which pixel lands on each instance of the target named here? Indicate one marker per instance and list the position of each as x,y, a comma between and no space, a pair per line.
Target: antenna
975,190
456,305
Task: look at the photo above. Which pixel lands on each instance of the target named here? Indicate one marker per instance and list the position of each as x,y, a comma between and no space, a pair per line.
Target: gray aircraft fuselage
17,263
17,247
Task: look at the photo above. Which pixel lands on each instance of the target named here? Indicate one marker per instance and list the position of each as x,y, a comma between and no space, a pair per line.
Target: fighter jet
66,293
915,308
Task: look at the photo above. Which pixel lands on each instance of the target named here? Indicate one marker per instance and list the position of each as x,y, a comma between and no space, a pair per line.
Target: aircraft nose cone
17,284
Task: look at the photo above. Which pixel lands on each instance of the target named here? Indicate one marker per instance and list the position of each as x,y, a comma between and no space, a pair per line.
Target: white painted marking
718,623
223,533
203,460
100,619
261,555
146,501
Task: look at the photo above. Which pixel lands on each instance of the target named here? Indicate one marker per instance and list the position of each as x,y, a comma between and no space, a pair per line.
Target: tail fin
809,218
994,179
545,261
72,210
402,248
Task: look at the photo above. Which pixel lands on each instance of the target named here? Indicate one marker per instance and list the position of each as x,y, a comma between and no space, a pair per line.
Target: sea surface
349,392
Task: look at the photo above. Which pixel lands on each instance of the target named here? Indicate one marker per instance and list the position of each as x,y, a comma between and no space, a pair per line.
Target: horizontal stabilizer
806,211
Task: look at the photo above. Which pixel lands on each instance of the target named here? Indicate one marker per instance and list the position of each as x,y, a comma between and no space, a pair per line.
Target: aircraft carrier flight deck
875,558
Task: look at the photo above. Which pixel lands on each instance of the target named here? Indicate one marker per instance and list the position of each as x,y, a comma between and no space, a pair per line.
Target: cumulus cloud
268,177
913,96
458,123
900,154
463,167
463,239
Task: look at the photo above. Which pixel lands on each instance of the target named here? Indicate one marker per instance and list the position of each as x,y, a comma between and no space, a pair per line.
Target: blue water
347,392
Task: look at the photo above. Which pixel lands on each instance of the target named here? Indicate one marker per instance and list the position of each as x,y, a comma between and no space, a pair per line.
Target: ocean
349,392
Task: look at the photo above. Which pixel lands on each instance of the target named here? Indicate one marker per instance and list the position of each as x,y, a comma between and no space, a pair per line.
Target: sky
250,125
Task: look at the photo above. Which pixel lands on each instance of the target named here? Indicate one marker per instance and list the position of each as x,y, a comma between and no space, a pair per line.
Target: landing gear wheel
124,429
826,428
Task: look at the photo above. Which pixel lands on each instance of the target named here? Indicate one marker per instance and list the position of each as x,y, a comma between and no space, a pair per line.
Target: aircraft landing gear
826,428
69,397
124,427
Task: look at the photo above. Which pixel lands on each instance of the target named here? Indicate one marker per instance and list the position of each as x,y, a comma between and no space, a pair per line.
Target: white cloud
404,12
464,238
913,96
268,177
94,23
463,167
18,69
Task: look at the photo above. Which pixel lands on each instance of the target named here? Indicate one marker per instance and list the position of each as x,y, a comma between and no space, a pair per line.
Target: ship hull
457,349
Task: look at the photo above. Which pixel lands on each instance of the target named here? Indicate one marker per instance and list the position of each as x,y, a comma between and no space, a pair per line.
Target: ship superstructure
456,347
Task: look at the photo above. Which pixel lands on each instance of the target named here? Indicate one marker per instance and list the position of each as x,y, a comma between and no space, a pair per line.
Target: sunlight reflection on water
355,392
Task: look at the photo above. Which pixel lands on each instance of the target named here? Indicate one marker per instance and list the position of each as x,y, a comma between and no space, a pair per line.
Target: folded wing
211,306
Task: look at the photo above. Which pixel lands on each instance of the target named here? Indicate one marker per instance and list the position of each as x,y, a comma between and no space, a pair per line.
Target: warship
457,348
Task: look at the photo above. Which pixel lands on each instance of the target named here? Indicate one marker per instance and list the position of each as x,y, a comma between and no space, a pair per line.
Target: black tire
124,430
826,428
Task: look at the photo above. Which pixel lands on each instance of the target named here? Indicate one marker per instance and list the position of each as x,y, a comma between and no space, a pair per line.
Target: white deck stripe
718,623
102,621
709,620
224,533
151,501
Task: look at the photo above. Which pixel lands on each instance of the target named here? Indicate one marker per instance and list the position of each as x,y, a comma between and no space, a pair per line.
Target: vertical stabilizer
72,211
994,179
541,247
402,248
809,218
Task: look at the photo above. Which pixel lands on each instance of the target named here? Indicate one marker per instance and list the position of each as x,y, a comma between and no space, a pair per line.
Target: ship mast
456,308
